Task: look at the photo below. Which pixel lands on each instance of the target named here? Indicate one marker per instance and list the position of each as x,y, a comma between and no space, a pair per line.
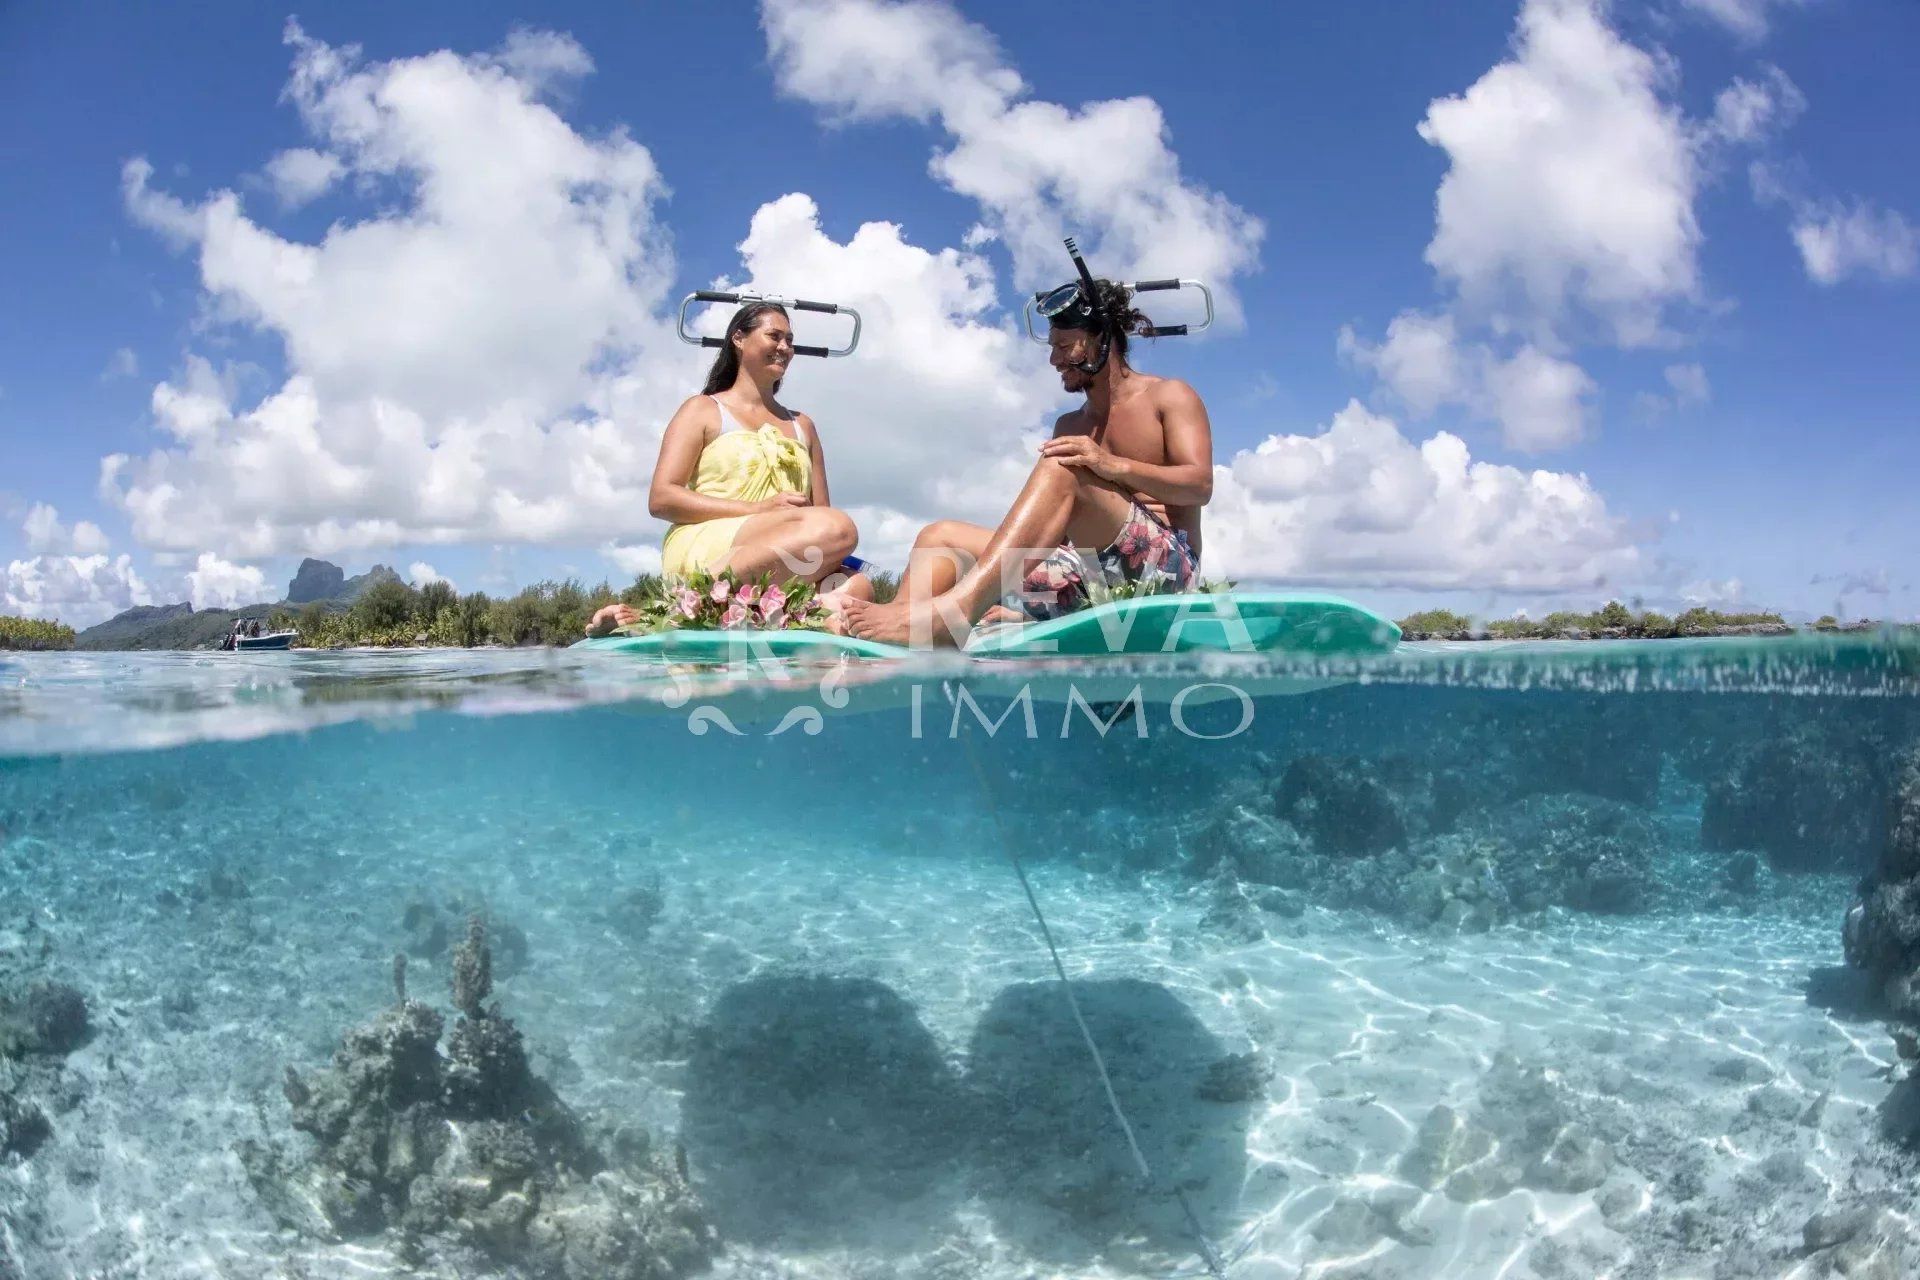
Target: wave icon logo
829,693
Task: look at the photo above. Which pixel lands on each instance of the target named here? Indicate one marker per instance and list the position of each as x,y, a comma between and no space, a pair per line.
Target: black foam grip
1150,286
1166,331
809,351
713,342
707,295
826,308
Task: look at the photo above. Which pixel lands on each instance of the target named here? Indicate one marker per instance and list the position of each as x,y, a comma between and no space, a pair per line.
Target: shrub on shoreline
1611,620
391,614
34,633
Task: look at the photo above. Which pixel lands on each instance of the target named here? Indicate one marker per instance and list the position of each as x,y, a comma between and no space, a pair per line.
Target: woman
742,478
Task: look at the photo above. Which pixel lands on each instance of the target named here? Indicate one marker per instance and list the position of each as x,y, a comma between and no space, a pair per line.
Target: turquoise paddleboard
1222,622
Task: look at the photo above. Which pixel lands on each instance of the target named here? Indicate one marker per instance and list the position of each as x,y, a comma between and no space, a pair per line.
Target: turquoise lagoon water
1469,961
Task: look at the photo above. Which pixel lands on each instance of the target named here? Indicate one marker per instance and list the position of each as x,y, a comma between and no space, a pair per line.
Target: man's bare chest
1134,434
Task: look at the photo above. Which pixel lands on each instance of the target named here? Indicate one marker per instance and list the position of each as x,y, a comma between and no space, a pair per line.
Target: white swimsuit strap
727,421
730,423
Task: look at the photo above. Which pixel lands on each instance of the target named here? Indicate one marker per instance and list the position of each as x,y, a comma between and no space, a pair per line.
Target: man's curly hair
1116,303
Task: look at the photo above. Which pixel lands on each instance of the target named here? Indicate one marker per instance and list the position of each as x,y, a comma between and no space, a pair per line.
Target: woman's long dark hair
726,365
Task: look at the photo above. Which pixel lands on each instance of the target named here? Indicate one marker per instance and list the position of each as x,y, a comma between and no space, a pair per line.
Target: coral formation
1811,796
1578,852
1342,806
471,1150
43,1017
23,1126
428,929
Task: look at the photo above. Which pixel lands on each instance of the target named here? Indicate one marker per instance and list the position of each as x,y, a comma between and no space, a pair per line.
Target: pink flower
736,615
685,602
719,593
774,601
747,594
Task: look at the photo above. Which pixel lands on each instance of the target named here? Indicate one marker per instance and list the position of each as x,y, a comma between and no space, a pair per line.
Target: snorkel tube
1090,304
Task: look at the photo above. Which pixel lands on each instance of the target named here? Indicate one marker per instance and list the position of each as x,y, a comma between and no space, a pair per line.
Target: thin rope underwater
1215,1264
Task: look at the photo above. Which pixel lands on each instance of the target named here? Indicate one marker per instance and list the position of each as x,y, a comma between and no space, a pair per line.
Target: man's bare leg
944,550
1057,503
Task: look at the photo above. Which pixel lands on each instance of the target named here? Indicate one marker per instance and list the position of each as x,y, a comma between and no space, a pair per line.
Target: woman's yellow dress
741,465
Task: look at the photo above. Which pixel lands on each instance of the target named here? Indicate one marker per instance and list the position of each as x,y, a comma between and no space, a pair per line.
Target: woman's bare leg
807,543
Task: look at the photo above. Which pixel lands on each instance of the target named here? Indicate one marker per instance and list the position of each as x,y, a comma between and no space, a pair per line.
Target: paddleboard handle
699,296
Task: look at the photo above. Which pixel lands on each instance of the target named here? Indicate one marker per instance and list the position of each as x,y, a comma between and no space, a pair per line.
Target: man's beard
1075,380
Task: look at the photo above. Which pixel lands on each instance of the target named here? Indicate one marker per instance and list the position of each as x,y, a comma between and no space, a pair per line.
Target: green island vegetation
377,609
1609,621
34,633
390,613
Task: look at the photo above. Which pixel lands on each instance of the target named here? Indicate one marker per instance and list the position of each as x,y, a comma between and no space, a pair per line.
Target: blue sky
1650,268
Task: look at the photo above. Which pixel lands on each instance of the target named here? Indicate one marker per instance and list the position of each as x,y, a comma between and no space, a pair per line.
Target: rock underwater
469,1150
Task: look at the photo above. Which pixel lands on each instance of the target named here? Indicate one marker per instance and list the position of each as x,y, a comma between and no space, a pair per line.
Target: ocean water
1476,961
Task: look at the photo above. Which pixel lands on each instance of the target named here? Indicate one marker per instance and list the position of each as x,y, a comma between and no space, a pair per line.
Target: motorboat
239,640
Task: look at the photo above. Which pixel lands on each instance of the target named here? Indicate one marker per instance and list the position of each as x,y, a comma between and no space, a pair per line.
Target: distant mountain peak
315,580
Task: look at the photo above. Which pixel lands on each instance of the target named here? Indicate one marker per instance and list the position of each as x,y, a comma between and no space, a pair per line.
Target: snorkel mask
791,304
1076,305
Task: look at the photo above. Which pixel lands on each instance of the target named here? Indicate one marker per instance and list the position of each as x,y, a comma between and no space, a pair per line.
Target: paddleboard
1219,622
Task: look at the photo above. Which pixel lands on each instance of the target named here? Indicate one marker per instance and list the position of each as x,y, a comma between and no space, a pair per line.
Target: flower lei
722,602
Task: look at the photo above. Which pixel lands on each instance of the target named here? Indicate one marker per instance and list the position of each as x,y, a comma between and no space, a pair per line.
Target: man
1116,496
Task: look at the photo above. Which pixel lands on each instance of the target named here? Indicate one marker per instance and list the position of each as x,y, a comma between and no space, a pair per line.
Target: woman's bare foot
1000,615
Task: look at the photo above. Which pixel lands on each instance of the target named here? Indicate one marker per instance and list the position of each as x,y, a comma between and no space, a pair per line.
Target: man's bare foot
896,623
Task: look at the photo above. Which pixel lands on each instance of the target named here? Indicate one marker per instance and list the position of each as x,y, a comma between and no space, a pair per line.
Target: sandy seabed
1714,1110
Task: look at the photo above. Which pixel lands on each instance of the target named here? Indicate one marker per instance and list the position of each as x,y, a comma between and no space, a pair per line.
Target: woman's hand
614,615
1086,452
781,502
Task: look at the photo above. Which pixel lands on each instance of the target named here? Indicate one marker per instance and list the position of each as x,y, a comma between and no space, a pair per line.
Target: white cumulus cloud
1040,170
1747,19
214,583
1748,111
1837,241
1359,504
939,376
1712,592
634,558
1570,180
300,175
420,573
1420,360
482,358
1541,401
1689,384
46,534
78,590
